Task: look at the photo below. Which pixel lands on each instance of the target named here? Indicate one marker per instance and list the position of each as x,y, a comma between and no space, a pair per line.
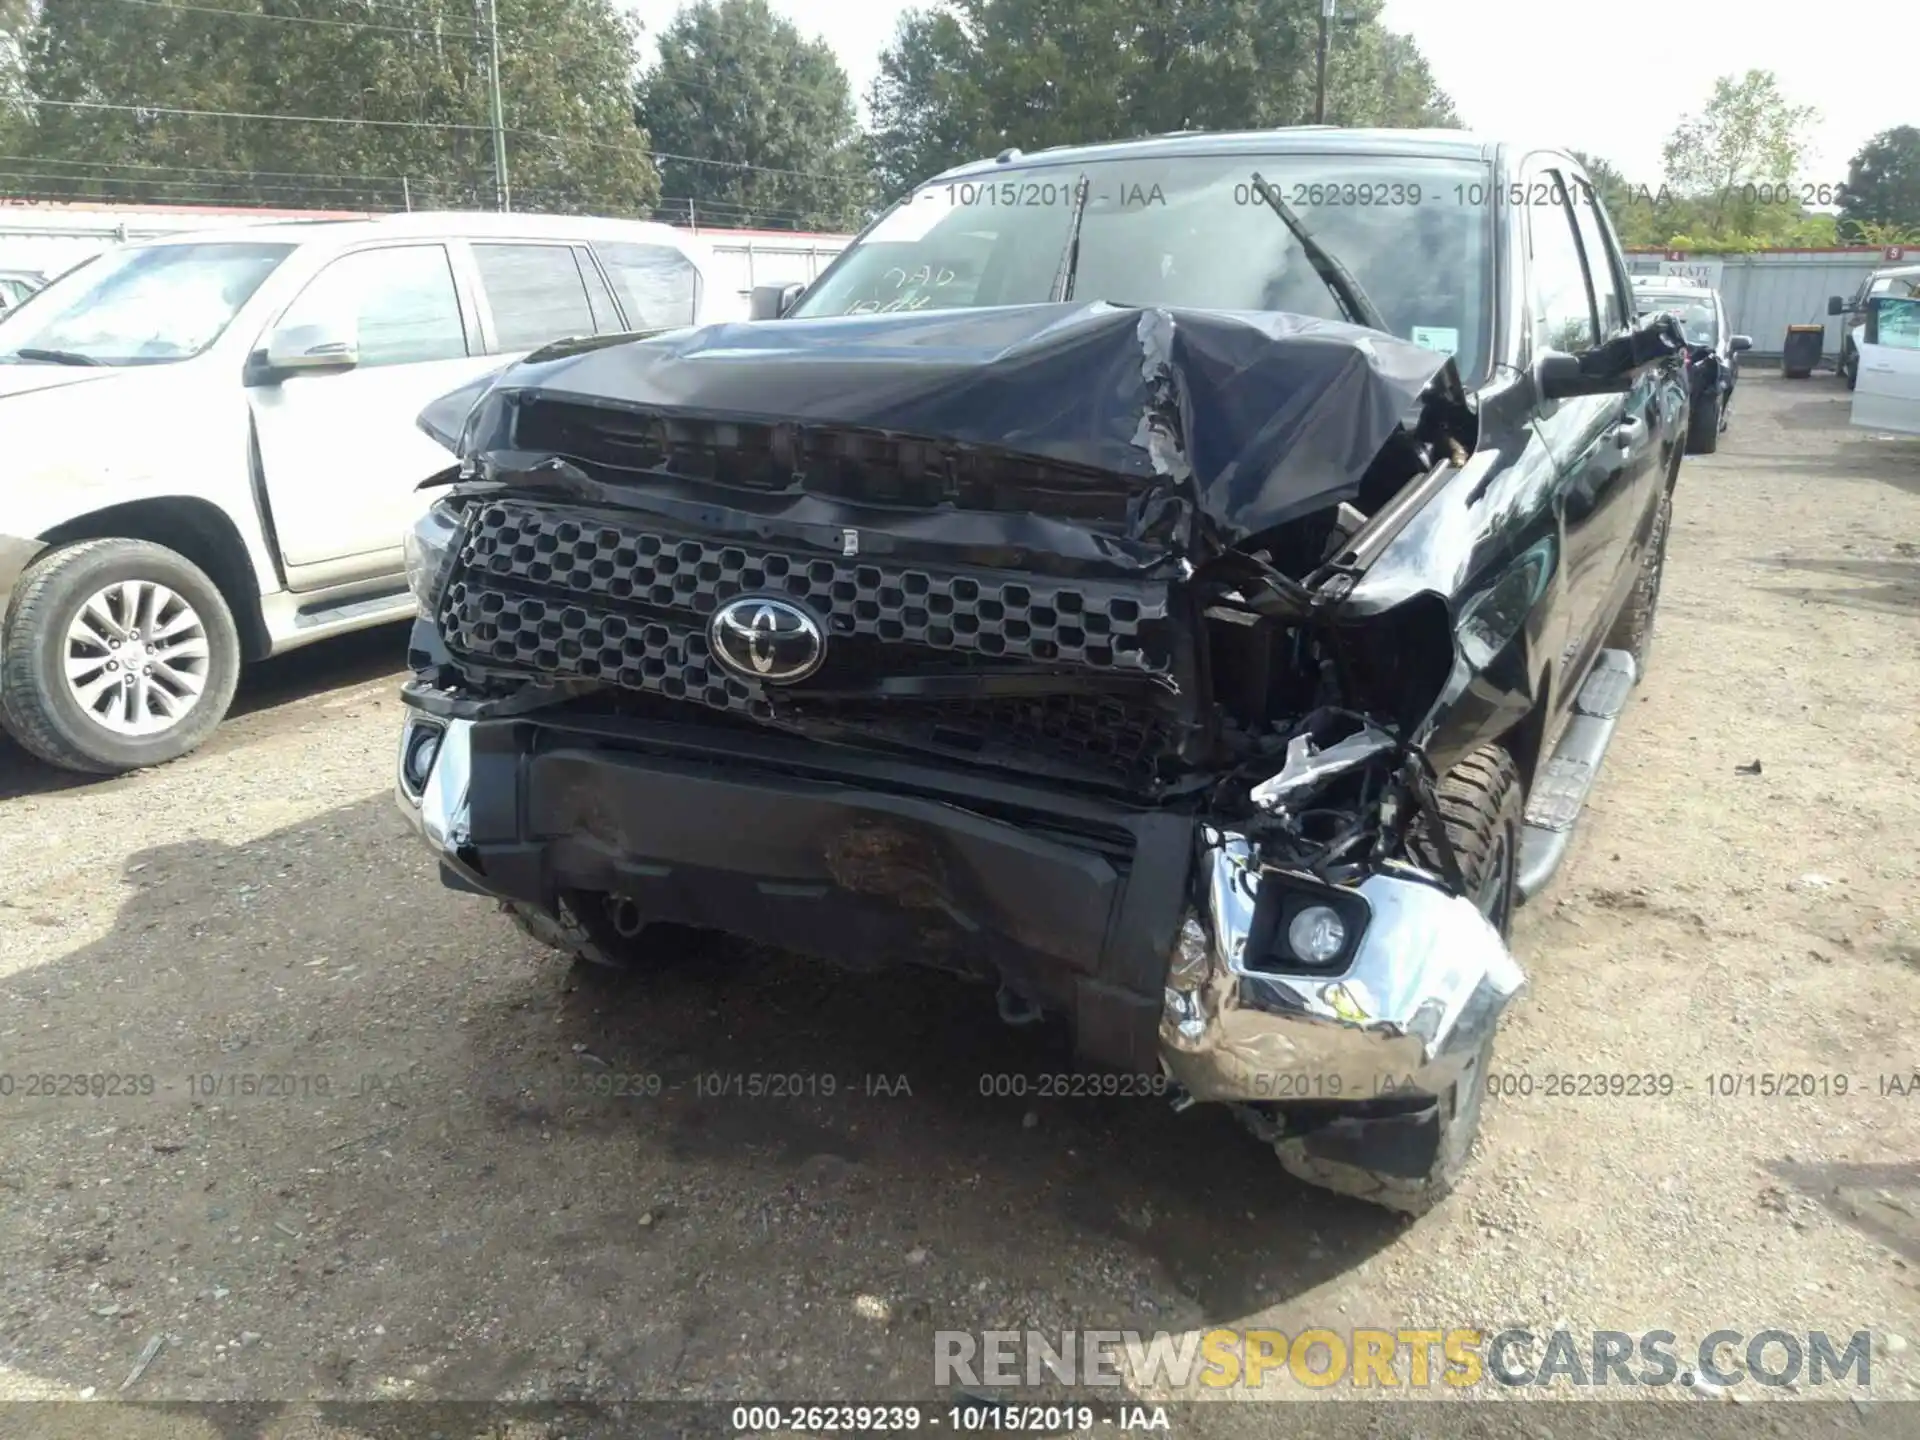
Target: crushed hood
1251,419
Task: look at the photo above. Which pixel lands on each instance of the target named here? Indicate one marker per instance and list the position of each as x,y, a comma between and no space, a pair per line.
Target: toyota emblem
767,639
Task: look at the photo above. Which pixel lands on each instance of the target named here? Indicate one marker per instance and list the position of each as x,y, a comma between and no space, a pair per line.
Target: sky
1513,66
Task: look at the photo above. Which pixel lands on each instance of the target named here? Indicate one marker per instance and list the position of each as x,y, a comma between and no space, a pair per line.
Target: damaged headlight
430,546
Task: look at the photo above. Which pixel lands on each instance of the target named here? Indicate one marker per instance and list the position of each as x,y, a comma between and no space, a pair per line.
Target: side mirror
1836,306
322,346
1559,376
770,302
1739,343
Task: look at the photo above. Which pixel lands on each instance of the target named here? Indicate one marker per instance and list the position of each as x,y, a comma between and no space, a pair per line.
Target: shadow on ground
1889,585
543,1186
1882,1202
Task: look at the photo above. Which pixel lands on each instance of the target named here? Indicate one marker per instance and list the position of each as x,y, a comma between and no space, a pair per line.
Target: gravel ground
472,1175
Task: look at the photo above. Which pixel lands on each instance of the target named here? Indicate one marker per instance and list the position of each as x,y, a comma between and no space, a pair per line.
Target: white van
1886,394
1897,280
209,448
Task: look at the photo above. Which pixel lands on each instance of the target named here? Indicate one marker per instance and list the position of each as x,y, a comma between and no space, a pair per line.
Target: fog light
423,748
1317,935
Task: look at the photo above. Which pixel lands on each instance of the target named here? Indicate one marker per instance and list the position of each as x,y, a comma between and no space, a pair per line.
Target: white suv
209,450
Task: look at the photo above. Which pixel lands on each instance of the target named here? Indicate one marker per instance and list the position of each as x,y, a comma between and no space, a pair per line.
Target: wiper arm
1070,260
1337,278
54,357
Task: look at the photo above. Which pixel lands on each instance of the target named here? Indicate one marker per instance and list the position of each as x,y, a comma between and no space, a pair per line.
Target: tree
1883,185
968,78
755,124
1747,139
1608,183
16,18
409,82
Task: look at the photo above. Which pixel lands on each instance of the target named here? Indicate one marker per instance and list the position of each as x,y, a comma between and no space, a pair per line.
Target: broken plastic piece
1308,767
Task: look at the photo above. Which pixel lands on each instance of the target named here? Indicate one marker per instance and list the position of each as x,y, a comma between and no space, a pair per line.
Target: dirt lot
478,1178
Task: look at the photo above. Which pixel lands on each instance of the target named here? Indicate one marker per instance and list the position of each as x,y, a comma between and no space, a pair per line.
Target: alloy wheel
137,658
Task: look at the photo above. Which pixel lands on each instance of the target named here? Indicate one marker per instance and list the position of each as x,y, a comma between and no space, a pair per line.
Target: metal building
1768,290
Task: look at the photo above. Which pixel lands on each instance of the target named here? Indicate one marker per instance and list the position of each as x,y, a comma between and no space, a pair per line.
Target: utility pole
502,196
1320,68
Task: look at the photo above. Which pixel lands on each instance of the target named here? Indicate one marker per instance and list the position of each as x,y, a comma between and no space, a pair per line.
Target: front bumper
1164,958
1423,990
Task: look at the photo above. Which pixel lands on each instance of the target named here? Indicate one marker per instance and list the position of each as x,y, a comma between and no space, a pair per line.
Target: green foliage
565,67
1608,183
756,122
1882,193
736,87
1747,137
1871,232
16,18
1729,186
969,78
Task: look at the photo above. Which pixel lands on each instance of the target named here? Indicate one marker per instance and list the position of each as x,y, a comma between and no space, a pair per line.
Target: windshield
1189,231
1696,316
140,306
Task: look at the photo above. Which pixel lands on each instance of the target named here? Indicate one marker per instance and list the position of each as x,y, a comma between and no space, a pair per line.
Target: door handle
1626,432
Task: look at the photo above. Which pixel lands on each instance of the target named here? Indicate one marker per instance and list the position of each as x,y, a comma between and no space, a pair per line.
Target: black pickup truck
1187,584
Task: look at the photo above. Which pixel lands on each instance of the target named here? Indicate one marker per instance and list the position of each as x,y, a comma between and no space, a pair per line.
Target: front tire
1483,807
119,654
1703,427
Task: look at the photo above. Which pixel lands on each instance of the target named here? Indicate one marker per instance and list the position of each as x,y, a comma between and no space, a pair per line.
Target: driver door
1601,444
339,451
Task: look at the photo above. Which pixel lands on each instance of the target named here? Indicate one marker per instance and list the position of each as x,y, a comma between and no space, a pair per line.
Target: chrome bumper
431,788
1412,1007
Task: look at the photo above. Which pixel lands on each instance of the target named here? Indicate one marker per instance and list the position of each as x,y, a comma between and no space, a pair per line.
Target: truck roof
1294,139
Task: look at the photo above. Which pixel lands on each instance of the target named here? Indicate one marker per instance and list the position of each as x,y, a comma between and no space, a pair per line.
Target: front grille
565,593
555,552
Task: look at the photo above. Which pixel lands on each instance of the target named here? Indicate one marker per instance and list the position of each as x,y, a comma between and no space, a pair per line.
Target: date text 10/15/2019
1136,195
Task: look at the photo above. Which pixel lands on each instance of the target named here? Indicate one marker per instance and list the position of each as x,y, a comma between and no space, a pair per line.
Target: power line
757,169
256,115
469,196
349,181
436,125
200,169
417,124
247,185
301,19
